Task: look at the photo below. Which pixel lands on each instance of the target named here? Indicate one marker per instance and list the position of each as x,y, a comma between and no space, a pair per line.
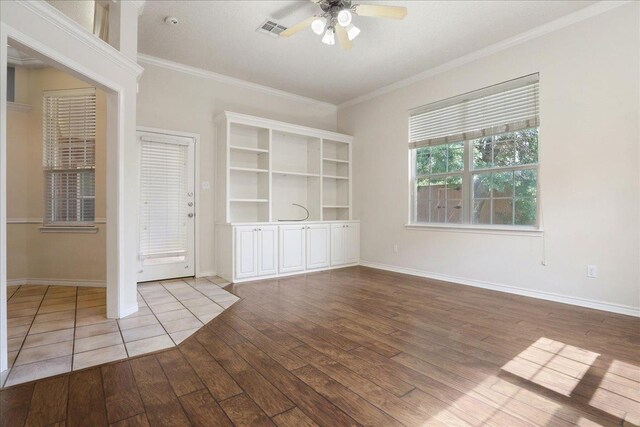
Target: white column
123,171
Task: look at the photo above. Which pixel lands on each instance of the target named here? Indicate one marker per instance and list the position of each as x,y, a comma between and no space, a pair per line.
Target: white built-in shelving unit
266,168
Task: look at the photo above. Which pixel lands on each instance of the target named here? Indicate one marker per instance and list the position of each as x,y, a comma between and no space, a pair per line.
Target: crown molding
555,25
71,27
221,78
17,58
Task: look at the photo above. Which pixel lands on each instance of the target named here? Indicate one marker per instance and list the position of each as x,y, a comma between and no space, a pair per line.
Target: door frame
47,34
196,186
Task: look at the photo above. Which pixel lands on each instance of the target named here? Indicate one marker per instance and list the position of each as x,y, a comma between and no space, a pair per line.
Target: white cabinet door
318,250
246,262
267,250
292,248
337,244
351,243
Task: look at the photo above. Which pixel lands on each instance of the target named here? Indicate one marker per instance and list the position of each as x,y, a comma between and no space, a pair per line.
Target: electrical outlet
395,248
592,271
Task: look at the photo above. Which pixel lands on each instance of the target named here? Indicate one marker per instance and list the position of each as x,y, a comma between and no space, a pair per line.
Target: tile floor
56,329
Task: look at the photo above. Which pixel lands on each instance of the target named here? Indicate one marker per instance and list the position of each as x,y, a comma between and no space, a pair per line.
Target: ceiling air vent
271,28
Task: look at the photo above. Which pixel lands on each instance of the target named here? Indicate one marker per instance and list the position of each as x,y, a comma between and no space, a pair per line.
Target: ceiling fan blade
377,11
298,27
343,38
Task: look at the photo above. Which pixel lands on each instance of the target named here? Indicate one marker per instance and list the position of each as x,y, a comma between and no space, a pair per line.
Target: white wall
178,101
589,90
72,257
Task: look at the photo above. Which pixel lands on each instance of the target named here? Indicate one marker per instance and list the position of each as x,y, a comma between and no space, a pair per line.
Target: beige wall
182,102
31,253
589,87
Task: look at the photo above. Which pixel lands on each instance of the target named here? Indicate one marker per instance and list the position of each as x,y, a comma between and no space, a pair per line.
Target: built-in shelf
249,170
247,149
326,159
267,170
283,173
249,200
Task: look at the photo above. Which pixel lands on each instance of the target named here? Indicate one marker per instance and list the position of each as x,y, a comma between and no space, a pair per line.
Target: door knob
190,214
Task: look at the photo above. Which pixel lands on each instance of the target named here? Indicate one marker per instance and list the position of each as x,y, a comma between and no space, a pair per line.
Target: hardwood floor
359,346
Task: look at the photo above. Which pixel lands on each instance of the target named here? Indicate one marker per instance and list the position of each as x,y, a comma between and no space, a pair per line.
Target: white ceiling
220,36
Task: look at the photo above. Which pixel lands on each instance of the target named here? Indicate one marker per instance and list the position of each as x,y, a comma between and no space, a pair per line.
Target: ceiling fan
336,18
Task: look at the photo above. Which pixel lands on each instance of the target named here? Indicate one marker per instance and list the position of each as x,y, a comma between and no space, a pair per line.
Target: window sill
90,229
479,229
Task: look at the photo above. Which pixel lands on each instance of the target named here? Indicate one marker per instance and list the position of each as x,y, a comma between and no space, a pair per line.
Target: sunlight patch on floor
552,364
618,393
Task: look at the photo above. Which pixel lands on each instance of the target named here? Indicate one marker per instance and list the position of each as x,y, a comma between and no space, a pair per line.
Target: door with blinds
167,206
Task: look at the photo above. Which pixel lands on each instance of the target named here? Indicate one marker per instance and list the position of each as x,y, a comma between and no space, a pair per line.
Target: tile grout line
26,335
77,295
207,296
23,339
73,343
185,307
158,320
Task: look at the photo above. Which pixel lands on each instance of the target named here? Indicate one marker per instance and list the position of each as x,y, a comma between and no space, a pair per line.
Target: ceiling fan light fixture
344,17
318,25
329,37
352,31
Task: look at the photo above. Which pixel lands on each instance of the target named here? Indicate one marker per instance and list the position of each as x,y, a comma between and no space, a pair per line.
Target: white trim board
221,78
57,282
557,24
39,221
548,296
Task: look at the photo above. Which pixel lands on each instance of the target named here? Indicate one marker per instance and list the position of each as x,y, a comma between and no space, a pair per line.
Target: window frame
467,174
50,225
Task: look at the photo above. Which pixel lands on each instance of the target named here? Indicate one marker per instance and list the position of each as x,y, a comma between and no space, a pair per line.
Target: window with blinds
474,157
163,210
69,156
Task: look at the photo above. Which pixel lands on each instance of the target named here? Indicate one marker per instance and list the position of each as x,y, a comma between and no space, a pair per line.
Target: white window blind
506,107
163,213
69,151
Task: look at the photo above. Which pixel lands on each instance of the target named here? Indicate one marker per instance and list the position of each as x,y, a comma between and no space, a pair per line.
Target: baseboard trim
581,302
58,282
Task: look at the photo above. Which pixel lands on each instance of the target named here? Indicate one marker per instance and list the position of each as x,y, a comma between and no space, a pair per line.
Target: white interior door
167,206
